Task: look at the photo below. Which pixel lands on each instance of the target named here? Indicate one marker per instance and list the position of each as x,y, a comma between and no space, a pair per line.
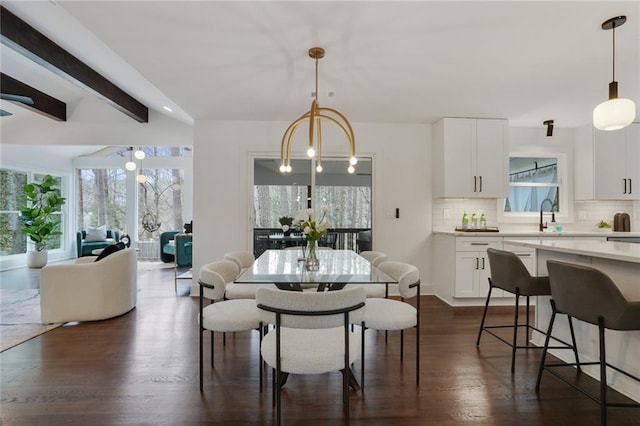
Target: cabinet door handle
477,263
479,244
480,184
475,184
483,263
625,186
630,191
523,254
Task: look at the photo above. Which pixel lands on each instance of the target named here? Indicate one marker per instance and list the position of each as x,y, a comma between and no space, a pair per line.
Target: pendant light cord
613,29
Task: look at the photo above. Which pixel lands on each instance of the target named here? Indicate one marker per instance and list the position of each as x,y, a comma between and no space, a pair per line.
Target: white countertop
545,234
626,252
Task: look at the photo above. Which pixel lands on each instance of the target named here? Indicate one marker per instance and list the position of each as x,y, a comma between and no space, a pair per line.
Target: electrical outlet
446,214
582,215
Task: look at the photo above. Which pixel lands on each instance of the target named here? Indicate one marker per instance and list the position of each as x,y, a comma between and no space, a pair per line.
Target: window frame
565,210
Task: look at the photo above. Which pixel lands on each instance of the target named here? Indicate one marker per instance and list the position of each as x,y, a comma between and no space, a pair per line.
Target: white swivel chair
388,314
311,335
88,290
223,315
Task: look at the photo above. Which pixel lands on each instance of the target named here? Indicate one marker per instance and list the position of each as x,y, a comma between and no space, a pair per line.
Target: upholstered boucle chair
311,334
87,290
244,260
223,315
393,315
374,290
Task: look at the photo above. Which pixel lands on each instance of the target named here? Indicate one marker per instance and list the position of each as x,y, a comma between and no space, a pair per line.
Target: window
102,198
12,240
160,201
348,197
535,183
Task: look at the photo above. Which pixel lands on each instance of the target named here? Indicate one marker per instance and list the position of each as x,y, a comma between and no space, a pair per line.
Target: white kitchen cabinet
472,267
607,165
470,158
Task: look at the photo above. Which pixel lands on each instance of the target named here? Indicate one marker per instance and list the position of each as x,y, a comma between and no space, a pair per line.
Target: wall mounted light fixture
615,113
314,117
549,124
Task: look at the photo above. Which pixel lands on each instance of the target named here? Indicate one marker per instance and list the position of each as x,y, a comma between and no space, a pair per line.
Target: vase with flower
313,230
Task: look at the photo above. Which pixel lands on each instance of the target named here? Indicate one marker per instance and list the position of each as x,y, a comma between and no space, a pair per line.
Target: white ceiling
405,62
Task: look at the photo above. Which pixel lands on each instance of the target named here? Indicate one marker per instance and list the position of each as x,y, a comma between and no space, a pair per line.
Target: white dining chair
223,315
311,335
392,315
373,290
244,259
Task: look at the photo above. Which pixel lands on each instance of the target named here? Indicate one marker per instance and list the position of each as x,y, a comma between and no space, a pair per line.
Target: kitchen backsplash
447,214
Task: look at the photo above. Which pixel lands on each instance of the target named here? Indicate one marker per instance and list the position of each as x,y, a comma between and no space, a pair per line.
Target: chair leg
546,345
484,314
527,325
575,345
362,327
418,344
401,345
201,350
212,340
515,332
260,355
603,374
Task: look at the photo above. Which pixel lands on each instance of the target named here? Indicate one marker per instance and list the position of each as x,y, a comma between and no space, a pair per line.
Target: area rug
20,317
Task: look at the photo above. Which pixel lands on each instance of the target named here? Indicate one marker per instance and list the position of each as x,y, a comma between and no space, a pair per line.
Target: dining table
286,269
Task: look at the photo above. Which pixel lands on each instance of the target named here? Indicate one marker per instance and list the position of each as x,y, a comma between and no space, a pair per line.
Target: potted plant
40,224
285,223
603,226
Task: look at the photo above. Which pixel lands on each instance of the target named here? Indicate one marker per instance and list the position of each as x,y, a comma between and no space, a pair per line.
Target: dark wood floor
142,368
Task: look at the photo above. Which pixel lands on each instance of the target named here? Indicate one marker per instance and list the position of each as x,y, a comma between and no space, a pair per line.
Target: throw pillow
96,234
110,250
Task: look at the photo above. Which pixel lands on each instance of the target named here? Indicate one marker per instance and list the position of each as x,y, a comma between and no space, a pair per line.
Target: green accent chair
176,246
86,247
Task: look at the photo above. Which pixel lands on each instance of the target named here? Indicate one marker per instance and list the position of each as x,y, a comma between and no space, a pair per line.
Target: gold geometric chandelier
315,116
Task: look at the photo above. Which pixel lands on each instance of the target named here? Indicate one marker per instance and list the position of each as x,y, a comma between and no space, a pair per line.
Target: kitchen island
621,262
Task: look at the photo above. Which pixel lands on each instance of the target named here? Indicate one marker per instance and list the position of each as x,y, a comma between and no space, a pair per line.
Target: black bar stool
508,273
591,296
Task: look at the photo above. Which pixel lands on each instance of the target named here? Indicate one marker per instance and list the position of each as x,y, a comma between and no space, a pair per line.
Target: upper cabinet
607,164
470,158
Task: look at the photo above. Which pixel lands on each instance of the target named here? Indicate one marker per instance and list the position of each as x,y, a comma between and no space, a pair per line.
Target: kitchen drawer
478,244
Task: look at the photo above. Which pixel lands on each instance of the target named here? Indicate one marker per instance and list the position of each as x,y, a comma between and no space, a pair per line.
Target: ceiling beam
23,38
42,103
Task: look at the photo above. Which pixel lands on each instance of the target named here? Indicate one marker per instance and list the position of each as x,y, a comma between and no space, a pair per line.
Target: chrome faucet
543,226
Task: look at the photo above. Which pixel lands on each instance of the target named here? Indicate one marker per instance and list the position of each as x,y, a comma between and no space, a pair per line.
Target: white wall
402,179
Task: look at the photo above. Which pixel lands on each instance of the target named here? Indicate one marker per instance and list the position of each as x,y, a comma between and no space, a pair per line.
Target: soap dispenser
483,221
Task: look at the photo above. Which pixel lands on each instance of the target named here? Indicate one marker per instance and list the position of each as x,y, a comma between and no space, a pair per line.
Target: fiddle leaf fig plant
42,200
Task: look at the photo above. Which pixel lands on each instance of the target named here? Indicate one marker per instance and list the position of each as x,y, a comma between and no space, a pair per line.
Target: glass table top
336,266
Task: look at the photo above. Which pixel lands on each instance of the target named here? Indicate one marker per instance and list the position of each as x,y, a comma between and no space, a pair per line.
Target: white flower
323,226
306,230
285,228
325,209
310,214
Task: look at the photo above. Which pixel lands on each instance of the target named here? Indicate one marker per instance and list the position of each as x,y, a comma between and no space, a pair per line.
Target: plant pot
37,259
